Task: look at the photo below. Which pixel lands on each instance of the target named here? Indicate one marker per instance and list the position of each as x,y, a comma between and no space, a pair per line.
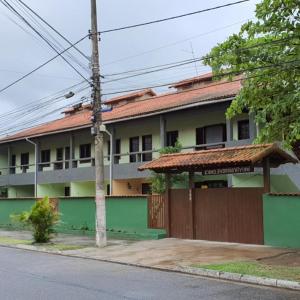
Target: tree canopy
267,54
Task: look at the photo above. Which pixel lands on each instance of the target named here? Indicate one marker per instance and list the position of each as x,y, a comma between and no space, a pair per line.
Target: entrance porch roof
198,161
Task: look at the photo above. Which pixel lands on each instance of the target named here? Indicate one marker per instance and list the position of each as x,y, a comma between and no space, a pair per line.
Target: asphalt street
32,275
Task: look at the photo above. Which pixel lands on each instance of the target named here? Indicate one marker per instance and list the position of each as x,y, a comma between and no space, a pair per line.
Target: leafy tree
158,181
41,218
267,53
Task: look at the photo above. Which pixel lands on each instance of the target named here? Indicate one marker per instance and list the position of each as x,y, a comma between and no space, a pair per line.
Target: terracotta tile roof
250,155
71,122
215,91
197,79
137,94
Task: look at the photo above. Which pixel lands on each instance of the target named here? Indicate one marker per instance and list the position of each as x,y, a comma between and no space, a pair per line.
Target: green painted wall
283,184
77,214
83,189
279,183
282,221
121,213
184,182
21,191
138,128
13,206
126,217
187,122
128,213
51,190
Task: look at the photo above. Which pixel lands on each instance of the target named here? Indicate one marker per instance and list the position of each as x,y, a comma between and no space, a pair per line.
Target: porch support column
229,180
38,160
162,126
167,205
267,175
229,130
71,141
252,126
229,135
112,152
191,205
8,159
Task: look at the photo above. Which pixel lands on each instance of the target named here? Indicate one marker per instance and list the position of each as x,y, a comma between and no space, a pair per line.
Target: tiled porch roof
251,155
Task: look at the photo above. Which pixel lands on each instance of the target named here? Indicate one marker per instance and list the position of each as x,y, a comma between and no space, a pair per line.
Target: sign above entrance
230,170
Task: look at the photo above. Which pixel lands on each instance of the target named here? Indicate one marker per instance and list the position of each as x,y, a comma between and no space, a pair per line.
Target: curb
270,282
205,273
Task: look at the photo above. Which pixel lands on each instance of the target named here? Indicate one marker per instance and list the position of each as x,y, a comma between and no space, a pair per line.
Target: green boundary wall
126,217
282,220
12,206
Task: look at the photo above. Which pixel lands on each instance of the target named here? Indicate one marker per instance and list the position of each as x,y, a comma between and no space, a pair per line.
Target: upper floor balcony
70,156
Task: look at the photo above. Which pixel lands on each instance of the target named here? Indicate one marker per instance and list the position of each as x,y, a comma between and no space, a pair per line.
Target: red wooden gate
225,214
156,214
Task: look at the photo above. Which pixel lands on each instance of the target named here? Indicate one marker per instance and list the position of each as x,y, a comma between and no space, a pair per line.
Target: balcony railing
119,158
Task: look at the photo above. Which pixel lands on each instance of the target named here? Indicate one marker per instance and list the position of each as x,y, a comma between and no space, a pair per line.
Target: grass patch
60,247
63,247
256,269
11,241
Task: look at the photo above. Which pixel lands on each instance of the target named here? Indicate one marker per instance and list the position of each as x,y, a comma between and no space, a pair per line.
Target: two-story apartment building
57,158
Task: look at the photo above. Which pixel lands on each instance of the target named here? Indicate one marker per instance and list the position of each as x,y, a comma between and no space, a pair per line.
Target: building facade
57,159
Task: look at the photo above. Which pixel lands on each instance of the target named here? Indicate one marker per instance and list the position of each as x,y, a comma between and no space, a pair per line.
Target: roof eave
163,111
44,134
177,108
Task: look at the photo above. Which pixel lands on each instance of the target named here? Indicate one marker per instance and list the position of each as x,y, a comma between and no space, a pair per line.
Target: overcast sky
120,51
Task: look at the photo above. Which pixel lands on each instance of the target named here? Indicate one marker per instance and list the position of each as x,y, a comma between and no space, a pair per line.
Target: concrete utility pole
97,120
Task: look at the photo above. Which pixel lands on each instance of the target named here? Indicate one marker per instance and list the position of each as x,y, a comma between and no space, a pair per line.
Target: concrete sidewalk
174,253
166,253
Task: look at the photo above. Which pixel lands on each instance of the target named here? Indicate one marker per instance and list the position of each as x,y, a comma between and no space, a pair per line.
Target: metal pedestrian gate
222,214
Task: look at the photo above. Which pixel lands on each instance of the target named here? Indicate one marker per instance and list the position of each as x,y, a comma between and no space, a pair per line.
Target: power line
178,92
54,29
30,104
18,25
191,61
42,65
54,41
174,43
174,17
16,117
148,68
54,47
13,129
7,5
40,74
221,83
153,71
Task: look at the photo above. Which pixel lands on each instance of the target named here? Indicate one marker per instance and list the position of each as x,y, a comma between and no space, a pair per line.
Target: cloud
21,52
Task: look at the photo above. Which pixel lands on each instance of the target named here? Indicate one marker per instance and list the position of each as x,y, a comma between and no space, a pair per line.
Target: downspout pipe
110,162
104,129
36,164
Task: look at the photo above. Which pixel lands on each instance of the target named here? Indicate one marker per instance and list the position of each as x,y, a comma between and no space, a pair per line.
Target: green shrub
158,181
41,218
